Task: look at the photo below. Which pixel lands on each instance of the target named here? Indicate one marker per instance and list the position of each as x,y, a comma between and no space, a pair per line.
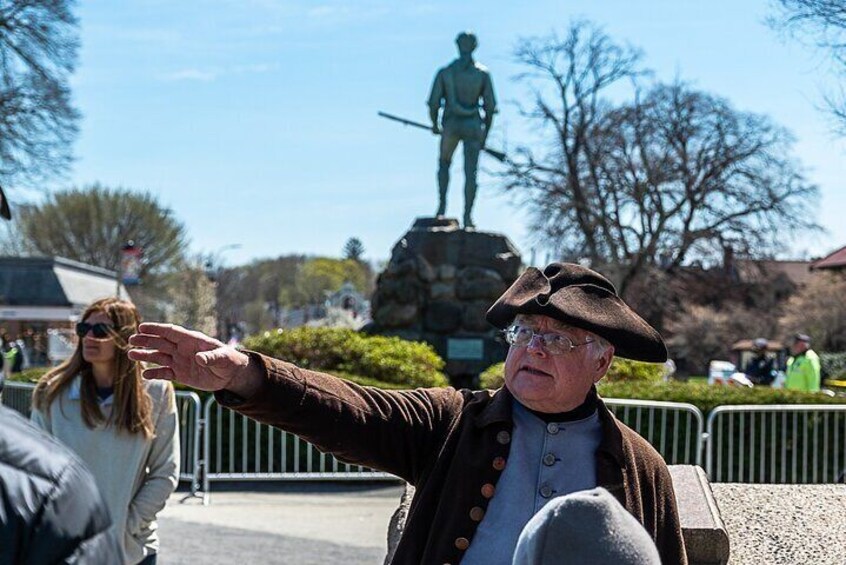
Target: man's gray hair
599,346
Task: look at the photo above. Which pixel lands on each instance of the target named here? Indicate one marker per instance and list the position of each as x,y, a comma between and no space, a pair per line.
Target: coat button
549,459
546,491
552,428
488,490
499,463
503,437
462,543
477,513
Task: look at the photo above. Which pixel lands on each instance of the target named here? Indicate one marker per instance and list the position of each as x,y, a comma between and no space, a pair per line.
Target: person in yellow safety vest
803,367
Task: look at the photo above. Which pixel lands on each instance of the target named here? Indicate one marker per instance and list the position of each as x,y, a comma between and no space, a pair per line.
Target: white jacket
135,475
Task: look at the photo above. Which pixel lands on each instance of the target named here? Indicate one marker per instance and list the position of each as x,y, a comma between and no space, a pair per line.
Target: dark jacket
50,508
452,446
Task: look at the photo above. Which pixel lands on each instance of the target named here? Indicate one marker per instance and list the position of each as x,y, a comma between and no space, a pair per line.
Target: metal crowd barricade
188,408
236,448
18,397
673,428
802,443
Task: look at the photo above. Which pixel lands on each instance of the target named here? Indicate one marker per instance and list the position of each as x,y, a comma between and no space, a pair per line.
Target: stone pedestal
437,287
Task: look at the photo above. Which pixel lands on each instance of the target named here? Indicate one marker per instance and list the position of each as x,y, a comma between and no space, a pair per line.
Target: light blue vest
545,461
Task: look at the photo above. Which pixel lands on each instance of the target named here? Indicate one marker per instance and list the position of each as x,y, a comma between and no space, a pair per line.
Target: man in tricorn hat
483,462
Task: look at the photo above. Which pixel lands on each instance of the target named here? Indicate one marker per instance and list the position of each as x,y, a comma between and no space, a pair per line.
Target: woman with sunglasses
122,426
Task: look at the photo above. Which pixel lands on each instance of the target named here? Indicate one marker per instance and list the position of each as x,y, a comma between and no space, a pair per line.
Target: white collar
74,393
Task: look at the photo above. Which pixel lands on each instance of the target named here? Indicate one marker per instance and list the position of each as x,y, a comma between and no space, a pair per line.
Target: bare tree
567,78
823,24
191,298
38,52
674,175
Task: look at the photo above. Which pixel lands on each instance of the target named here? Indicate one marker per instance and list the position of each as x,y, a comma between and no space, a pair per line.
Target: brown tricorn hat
585,299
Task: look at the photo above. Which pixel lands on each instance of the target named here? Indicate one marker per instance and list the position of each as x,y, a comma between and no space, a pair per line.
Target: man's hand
436,128
193,359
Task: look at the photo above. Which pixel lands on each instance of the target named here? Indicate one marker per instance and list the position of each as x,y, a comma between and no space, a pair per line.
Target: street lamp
214,261
213,267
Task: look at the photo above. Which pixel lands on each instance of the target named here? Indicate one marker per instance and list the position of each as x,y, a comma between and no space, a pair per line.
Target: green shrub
621,370
372,359
492,377
30,375
833,366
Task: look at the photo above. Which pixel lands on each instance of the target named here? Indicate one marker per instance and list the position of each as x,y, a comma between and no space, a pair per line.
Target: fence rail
803,443
18,396
750,443
236,448
673,428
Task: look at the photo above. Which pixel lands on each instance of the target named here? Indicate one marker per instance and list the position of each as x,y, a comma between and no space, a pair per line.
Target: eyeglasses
99,330
553,343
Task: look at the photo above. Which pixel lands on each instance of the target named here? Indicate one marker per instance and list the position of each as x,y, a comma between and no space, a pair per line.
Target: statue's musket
498,155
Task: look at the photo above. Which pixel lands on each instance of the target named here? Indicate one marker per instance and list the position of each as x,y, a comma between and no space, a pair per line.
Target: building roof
53,281
834,260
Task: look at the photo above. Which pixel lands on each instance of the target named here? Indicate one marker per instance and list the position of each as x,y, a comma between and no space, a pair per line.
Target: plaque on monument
462,349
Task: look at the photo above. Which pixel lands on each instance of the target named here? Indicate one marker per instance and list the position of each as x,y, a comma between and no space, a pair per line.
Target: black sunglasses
99,330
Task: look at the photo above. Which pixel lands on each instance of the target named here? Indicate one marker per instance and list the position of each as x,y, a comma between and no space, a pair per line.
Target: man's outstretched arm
394,431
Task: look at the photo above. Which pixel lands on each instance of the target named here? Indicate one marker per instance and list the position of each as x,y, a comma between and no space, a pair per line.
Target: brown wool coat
452,446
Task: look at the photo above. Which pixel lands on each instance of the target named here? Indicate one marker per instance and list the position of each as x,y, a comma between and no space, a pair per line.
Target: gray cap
589,526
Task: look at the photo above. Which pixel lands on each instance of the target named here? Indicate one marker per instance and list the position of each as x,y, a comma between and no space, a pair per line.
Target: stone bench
705,536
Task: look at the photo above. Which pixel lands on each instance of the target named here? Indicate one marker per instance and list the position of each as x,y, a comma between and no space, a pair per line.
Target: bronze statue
458,89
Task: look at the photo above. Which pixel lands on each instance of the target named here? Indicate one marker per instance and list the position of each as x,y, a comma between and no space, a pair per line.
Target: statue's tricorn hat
582,298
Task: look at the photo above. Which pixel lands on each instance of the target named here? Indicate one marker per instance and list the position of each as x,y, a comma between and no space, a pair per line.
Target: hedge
620,370
703,396
833,366
374,359
29,376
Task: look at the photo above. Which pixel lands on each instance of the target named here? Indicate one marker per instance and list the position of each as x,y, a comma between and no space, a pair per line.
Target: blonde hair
132,408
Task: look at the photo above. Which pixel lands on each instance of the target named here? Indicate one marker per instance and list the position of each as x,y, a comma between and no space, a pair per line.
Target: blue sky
255,120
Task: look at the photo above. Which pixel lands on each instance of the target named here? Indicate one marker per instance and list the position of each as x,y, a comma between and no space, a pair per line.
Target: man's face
466,45
798,347
554,383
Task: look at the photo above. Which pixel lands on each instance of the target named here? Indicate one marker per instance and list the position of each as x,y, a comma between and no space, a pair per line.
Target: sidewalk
280,523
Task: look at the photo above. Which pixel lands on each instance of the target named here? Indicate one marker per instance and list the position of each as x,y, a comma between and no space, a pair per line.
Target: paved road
288,523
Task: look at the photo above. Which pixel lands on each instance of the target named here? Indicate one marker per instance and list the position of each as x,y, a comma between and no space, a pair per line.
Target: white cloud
211,74
197,75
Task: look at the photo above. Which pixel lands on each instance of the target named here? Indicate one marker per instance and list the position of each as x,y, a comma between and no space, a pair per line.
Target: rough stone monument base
437,287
